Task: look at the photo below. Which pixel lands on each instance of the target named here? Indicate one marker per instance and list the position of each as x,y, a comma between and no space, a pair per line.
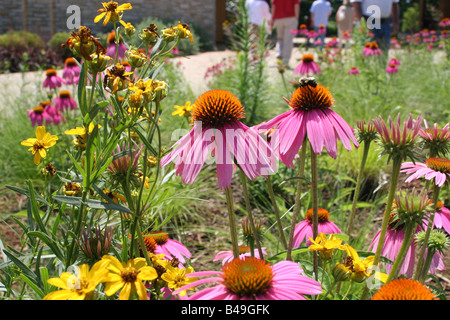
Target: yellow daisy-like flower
80,286
183,111
128,277
80,132
361,269
176,278
326,246
184,31
111,11
40,144
129,28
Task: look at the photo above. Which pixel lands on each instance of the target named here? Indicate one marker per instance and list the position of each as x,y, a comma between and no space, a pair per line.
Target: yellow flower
80,286
117,78
129,28
40,144
128,277
136,58
184,31
114,196
112,12
326,246
361,269
176,278
183,111
80,132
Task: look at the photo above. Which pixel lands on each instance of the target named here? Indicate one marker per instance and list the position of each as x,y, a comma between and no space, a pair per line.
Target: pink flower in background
169,247
394,61
347,35
312,34
57,117
71,71
112,47
332,43
38,114
322,30
433,168
444,22
303,30
310,117
304,229
244,251
252,278
64,101
307,66
392,68
52,80
353,70
131,159
442,217
217,129
372,49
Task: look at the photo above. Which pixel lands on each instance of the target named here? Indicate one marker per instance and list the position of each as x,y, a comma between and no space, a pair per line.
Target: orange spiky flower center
247,277
244,249
50,72
38,109
216,108
373,45
309,98
71,62
404,289
307,58
439,164
324,215
64,94
160,237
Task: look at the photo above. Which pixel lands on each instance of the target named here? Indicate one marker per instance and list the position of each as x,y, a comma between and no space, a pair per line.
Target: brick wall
41,15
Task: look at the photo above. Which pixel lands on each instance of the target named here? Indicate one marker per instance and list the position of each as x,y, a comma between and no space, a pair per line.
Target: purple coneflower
353,70
392,68
71,71
322,30
437,168
120,165
307,66
303,30
310,116
251,278
442,217
112,49
52,80
372,49
38,114
64,101
217,129
304,229
244,251
169,247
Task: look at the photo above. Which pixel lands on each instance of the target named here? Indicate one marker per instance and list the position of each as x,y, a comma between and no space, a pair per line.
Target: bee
308,82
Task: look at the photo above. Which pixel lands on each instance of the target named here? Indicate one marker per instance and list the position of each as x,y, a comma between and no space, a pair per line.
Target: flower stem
358,186
301,171
409,234
420,270
249,213
277,212
232,220
427,264
315,206
387,212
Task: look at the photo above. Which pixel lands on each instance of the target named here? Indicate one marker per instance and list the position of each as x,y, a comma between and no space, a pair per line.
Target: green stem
301,171
250,214
277,212
142,243
420,271
387,212
358,186
315,206
91,98
232,220
348,290
329,290
409,234
427,264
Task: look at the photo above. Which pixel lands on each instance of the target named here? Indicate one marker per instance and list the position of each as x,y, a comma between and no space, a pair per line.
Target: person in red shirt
285,15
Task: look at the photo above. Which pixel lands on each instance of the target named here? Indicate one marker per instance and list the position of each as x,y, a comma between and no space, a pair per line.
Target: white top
258,11
384,7
322,11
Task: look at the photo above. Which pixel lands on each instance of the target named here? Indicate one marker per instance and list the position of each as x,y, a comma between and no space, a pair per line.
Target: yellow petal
58,282
147,273
140,290
60,295
29,142
99,17
112,287
40,132
42,152
37,158
125,292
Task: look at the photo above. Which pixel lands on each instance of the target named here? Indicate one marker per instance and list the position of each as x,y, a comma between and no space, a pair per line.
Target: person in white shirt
320,13
382,18
259,12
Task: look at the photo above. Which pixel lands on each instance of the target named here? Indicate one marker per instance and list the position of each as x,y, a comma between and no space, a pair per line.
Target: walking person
285,14
382,21
259,13
344,20
320,13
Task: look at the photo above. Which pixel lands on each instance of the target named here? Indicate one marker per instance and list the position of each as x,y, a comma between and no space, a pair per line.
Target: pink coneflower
71,71
372,49
353,70
303,30
433,168
409,38
217,129
244,251
312,34
64,101
38,114
310,116
347,35
304,229
318,42
322,30
444,22
52,80
424,33
57,117
332,43
435,139
169,247
255,279
444,34
307,66
111,50
120,165
392,68
295,31
394,61
442,217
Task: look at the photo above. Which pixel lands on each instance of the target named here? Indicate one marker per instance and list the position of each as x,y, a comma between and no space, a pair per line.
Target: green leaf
27,193
145,140
34,208
50,243
27,271
283,254
82,89
32,285
44,277
94,204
